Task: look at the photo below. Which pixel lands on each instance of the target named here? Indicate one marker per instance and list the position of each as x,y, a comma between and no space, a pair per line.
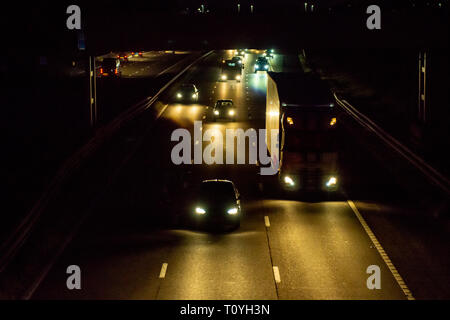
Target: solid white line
276,274
162,274
382,253
266,221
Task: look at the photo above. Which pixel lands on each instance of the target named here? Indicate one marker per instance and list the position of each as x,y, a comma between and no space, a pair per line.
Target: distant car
224,109
268,54
218,203
123,56
240,52
187,93
261,64
238,60
137,53
231,70
110,67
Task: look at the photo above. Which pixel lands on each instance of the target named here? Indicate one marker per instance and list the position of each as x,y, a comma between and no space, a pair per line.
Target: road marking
266,221
276,274
162,274
382,253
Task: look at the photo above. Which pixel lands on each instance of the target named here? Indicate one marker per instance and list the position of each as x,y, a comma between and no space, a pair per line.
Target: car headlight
256,67
331,105
199,210
194,95
231,112
179,95
266,67
232,211
240,62
333,121
216,112
289,121
331,182
288,180
224,77
238,77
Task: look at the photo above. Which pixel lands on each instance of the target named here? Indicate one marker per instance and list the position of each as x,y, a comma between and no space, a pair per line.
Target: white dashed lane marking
162,274
266,221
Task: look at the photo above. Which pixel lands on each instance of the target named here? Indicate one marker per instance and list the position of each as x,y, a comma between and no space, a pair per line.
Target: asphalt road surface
136,244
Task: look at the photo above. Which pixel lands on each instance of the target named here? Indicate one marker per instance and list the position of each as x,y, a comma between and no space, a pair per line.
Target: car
261,64
224,109
240,52
137,54
187,92
218,203
110,67
123,56
238,60
231,70
268,54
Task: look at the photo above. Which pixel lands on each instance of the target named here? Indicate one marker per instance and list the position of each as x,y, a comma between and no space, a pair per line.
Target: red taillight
118,56
115,71
101,70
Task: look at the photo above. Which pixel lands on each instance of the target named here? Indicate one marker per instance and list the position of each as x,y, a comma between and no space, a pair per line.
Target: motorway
136,244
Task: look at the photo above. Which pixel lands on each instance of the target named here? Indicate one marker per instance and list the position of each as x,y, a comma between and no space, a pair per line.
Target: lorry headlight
232,211
199,210
231,112
331,182
288,180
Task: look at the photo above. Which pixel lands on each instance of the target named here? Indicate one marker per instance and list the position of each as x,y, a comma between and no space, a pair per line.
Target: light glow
199,210
288,180
232,211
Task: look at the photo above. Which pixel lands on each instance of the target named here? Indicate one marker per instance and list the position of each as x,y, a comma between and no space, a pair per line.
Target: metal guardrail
429,172
18,237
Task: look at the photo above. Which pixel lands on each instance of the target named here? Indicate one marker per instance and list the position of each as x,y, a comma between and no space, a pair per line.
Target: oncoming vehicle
224,109
261,64
187,93
110,67
231,70
218,203
268,54
238,60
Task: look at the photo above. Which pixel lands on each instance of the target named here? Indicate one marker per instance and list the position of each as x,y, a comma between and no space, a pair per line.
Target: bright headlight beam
216,112
179,95
288,180
199,210
232,211
331,182
231,112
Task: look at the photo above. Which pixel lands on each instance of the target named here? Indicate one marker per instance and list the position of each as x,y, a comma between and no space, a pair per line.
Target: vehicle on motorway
238,60
268,54
137,53
123,56
218,203
300,107
110,67
240,52
261,64
224,109
231,70
187,92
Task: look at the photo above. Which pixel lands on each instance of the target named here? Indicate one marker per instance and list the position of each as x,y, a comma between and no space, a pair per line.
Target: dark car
268,54
261,64
224,109
110,67
123,56
238,60
217,204
187,93
231,70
